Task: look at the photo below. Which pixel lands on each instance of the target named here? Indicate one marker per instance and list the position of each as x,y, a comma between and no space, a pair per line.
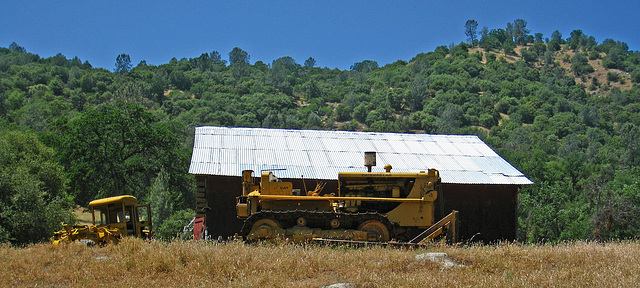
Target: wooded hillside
562,110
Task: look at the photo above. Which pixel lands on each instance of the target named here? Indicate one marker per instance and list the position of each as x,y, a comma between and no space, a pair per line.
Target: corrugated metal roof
461,159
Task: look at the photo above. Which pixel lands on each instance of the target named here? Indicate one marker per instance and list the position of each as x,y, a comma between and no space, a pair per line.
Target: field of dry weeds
175,264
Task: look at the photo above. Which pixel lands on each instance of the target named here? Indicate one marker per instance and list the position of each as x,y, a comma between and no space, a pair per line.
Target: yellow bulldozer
367,207
113,218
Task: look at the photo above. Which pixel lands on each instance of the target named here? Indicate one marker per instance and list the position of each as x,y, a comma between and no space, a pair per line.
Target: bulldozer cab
123,213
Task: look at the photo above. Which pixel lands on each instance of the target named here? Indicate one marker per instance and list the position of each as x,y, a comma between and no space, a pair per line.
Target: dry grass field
137,263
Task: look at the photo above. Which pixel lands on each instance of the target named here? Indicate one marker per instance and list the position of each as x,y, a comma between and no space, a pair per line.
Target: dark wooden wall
487,212
220,211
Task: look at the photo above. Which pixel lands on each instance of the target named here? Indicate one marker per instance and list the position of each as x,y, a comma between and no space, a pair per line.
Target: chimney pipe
369,159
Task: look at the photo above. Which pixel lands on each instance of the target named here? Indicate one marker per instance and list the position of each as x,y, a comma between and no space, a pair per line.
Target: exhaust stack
246,182
369,159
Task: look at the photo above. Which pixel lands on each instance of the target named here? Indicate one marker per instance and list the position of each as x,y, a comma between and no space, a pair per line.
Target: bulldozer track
316,219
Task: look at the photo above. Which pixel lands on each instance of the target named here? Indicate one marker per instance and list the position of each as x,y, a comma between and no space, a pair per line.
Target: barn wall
487,212
220,214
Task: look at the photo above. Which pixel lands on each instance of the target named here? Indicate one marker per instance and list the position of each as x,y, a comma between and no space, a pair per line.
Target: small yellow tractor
113,218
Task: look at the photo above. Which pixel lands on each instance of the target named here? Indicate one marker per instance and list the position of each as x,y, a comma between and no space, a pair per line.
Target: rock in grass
341,285
438,257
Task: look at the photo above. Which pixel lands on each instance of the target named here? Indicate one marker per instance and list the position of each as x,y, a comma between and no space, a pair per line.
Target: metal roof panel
414,147
468,177
432,148
322,154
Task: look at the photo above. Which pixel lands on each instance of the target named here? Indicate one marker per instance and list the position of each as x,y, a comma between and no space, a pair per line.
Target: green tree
123,63
310,63
553,46
635,75
238,55
15,47
471,30
165,200
116,149
630,138
529,56
203,63
216,58
552,213
580,64
538,38
495,39
518,31
172,228
311,90
33,190
576,39
364,66
613,77
281,69
449,119
314,121
342,112
361,111
557,36
614,59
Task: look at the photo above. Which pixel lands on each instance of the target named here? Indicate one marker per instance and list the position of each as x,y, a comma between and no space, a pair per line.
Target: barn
476,181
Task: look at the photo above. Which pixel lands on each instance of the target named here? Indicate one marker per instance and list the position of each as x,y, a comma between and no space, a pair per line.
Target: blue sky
335,33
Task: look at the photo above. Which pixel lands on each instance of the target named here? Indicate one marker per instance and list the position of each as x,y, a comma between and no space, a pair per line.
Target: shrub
173,227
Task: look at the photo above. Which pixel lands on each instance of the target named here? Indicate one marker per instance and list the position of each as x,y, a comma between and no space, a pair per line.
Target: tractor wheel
265,229
377,230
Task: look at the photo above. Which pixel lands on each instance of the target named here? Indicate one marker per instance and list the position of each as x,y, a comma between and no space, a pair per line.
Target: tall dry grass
137,263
